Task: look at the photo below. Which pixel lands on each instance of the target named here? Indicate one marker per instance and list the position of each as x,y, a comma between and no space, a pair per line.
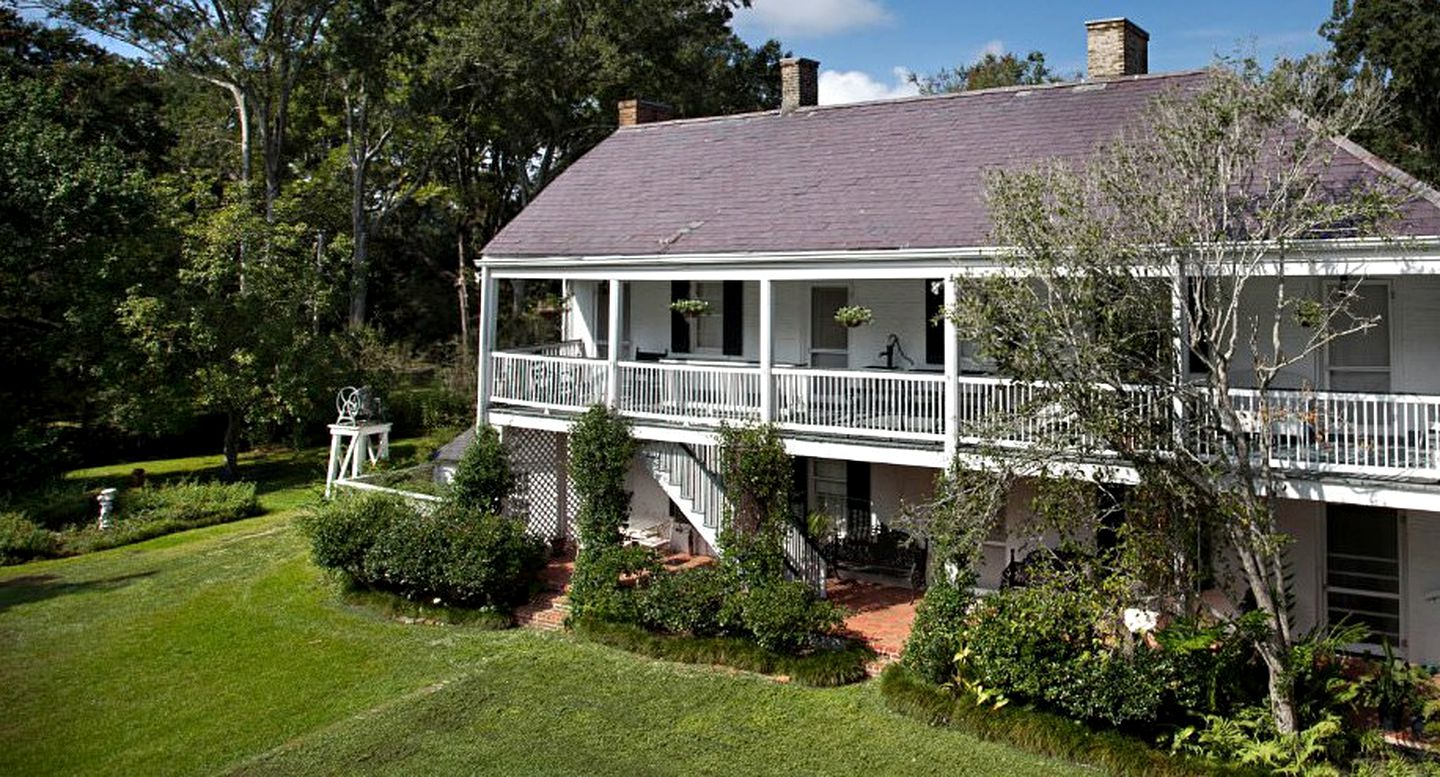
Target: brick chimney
1116,47
634,112
799,83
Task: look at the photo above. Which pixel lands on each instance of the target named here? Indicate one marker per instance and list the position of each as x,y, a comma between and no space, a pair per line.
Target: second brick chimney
799,83
634,112
1116,47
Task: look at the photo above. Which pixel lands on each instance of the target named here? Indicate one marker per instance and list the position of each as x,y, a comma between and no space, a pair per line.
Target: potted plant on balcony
690,308
851,316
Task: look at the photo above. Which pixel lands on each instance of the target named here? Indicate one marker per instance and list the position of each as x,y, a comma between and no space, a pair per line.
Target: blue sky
866,46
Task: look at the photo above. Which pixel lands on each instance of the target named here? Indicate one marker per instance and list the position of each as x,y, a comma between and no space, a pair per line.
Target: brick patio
880,615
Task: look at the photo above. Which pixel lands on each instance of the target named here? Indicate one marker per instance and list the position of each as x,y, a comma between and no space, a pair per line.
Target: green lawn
225,650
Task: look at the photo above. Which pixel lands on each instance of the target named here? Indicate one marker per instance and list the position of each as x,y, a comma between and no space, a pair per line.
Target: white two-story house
777,219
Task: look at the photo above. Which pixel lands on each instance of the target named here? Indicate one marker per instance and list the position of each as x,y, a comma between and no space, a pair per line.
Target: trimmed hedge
821,668
1038,732
153,511
449,555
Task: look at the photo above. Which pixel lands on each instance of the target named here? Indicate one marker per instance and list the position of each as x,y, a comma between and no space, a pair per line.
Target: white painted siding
1422,586
650,316
1415,308
1305,523
1256,302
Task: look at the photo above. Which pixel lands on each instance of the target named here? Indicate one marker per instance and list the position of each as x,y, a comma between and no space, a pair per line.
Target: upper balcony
892,391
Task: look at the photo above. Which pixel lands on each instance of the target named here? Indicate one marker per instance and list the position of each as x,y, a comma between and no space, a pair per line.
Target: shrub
1043,644
483,478
1035,731
456,556
688,602
758,477
785,615
21,540
492,561
601,450
596,590
190,503
935,636
343,530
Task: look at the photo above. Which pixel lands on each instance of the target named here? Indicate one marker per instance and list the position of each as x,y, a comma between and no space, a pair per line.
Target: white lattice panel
538,458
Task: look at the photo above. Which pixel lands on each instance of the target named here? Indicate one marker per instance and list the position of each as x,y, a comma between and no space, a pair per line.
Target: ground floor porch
1358,553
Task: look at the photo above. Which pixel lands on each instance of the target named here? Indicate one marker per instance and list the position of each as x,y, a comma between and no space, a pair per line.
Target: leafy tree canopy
1398,41
987,72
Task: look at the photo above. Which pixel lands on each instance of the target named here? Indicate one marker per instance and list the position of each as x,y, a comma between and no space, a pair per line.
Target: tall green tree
255,50
1397,41
264,358
80,142
987,72
522,90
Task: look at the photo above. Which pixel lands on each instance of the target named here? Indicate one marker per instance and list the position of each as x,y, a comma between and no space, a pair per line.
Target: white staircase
687,474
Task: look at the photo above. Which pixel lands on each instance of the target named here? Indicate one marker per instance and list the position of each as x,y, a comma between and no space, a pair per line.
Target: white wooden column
612,352
767,353
952,372
486,337
1181,344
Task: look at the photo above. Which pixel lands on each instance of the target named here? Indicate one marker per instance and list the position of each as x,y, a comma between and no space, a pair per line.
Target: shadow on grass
34,588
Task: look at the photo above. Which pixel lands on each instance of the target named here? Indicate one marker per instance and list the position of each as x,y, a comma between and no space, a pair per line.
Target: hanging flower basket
854,315
690,308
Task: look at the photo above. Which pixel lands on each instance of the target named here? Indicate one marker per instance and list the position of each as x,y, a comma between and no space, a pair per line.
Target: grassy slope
224,649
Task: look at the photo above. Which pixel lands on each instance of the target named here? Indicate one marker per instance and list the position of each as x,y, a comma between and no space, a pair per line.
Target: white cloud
811,18
853,86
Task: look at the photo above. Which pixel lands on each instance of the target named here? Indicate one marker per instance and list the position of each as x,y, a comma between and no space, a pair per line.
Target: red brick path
880,615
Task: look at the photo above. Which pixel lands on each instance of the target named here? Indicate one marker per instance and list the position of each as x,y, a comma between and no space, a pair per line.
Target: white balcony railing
547,382
1364,434
865,403
1346,433
702,395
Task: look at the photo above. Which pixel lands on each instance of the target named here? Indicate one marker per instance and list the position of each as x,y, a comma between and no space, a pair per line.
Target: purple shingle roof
887,175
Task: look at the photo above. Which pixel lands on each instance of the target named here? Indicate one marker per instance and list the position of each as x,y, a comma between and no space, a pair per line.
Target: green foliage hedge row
450,554
1036,731
1050,644
783,616
820,668
141,513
